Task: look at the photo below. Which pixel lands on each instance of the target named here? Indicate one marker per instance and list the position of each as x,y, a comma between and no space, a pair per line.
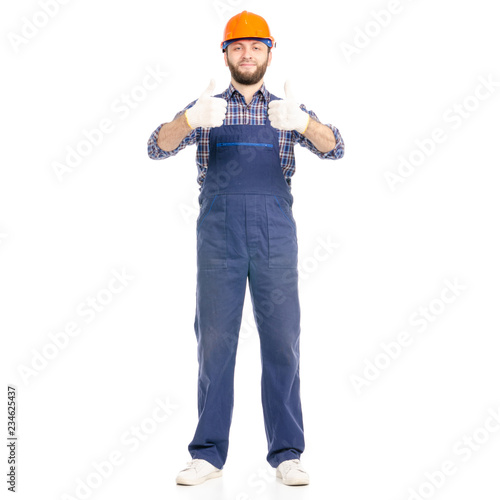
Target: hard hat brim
268,41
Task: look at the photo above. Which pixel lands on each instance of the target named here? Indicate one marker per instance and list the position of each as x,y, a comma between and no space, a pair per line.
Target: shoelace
196,464
295,463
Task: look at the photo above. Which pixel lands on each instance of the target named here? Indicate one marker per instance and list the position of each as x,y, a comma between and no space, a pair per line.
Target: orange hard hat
247,25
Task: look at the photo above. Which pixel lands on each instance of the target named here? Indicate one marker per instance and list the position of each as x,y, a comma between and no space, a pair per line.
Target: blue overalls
246,230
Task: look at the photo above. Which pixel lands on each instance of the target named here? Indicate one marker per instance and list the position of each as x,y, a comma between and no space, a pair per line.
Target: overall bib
246,230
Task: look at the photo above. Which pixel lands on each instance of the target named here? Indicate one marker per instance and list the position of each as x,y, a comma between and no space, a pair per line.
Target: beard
245,78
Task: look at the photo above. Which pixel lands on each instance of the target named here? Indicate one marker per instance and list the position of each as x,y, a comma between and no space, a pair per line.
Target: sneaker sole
194,482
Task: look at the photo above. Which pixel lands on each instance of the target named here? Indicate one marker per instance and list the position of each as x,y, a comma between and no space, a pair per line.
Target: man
246,231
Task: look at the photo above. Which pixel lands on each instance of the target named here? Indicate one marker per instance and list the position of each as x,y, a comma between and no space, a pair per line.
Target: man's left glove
285,114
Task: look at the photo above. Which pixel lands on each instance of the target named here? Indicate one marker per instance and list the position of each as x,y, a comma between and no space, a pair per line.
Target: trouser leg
220,297
220,294
275,300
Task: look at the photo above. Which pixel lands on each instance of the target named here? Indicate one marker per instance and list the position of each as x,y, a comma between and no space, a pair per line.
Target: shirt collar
228,93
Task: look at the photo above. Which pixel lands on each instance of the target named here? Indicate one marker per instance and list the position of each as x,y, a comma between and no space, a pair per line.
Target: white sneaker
292,473
197,471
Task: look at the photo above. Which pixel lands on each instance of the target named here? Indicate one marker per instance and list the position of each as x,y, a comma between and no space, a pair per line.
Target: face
247,60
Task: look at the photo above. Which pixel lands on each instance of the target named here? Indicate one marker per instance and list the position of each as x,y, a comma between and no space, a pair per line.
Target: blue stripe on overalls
246,231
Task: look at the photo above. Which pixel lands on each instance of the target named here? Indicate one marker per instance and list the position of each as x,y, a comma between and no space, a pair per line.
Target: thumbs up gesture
286,114
208,111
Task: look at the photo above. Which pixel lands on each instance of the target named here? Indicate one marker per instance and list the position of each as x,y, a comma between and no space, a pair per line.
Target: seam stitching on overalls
291,222
207,212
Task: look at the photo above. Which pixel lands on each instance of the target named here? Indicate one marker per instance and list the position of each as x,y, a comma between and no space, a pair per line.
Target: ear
225,58
270,58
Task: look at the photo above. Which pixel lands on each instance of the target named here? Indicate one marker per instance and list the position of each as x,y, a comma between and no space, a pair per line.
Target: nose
247,53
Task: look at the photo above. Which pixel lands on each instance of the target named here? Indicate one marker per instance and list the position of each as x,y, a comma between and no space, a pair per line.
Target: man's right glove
207,111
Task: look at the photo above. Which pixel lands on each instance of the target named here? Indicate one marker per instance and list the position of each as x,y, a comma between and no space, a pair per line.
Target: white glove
207,111
286,114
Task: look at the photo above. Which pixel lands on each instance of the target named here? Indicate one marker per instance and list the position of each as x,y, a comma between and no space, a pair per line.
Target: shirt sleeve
335,154
156,153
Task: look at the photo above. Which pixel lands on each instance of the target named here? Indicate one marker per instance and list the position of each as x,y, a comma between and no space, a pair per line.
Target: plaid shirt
239,113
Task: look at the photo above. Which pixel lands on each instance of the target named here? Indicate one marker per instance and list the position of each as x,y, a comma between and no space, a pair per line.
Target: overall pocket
282,233
211,238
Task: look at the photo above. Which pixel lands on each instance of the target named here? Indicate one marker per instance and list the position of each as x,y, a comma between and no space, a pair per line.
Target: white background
119,210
